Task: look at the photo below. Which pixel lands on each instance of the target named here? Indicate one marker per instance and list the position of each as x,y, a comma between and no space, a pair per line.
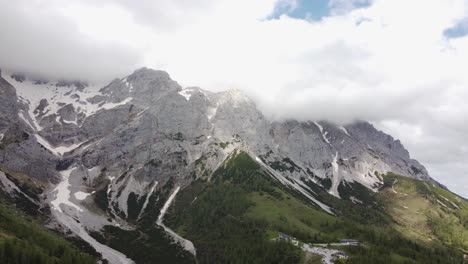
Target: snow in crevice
57,151
186,244
336,179
74,122
441,203
34,125
342,128
1,137
129,185
11,188
148,196
211,111
324,134
393,186
355,200
108,106
295,185
454,204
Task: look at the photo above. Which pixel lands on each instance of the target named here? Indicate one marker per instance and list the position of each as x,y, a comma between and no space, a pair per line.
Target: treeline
16,251
221,233
23,241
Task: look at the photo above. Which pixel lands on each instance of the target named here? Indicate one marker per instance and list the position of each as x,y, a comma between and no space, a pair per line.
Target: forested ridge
24,241
233,217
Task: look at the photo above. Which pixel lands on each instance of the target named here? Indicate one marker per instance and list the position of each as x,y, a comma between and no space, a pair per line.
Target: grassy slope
426,212
242,207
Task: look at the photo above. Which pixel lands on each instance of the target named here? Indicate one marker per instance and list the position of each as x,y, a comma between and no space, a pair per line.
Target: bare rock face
19,149
125,141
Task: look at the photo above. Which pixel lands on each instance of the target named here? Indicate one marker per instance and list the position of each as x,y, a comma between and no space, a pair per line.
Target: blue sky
313,9
460,29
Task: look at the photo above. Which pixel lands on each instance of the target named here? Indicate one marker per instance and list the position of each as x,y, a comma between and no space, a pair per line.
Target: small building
288,238
352,242
340,255
283,236
295,242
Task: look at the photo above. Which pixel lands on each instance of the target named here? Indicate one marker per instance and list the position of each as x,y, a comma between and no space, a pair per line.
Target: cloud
389,61
38,39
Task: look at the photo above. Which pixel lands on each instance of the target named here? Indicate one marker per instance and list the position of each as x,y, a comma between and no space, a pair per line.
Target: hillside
24,240
233,217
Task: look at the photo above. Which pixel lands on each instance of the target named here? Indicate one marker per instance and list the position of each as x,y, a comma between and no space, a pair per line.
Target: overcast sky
399,64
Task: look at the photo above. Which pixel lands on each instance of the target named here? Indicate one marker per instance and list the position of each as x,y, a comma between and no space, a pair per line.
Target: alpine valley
143,171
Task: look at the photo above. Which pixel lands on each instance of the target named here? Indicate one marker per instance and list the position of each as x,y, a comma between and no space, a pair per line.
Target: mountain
136,165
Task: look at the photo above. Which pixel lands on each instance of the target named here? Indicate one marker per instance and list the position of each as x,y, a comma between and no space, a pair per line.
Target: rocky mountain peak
148,116
148,74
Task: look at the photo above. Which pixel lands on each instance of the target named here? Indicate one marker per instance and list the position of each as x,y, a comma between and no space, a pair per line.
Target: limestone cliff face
136,134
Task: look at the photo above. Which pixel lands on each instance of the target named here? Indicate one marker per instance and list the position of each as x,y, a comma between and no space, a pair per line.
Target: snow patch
62,192
32,93
355,200
129,85
62,198
147,198
441,203
186,93
163,210
336,179
110,254
81,195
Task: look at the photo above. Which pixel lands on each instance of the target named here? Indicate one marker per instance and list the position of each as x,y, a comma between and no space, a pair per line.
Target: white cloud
389,63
